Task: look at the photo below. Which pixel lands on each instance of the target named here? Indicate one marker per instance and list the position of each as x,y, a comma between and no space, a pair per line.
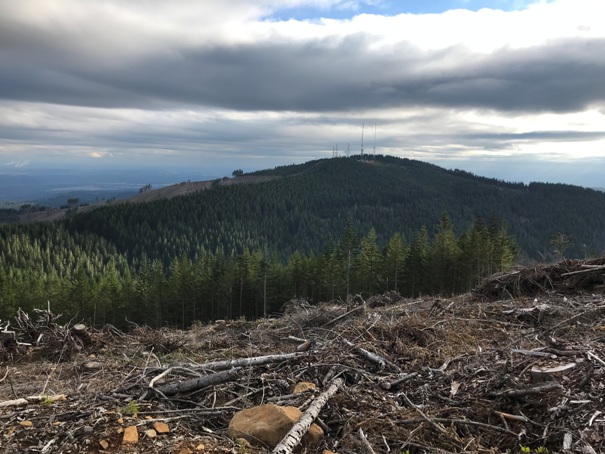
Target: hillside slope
298,207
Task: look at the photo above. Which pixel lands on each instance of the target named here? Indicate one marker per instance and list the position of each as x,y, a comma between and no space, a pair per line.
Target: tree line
85,277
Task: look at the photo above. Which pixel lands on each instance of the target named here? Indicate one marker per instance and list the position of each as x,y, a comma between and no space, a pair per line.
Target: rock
151,433
104,444
131,435
26,423
267,425
303,386
161,427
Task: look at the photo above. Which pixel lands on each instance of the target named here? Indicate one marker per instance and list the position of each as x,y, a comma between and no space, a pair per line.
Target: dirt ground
501,370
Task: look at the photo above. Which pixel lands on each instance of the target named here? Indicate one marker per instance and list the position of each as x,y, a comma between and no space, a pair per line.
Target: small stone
303,386
200,447
151,433
131,435
185,451
26,423
104,444
161,427
120,420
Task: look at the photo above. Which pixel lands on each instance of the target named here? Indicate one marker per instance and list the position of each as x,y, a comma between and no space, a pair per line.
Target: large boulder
267,425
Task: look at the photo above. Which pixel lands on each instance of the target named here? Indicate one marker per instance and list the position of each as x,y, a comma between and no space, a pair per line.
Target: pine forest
321,231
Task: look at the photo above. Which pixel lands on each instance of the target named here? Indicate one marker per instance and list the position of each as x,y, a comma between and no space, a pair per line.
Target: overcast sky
504,88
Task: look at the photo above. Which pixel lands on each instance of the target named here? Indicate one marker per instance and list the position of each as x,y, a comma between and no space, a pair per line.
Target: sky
509,89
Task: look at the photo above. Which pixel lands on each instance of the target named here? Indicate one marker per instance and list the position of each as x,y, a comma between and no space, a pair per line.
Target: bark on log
194,383
293,437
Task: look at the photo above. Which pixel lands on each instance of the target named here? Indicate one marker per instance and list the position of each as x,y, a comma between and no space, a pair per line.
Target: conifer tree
444,258
394,265
416,263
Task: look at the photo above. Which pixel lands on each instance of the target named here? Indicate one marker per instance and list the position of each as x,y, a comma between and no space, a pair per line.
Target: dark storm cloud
321,75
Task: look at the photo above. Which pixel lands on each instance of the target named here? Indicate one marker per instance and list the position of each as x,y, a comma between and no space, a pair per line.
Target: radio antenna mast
374,140
362,127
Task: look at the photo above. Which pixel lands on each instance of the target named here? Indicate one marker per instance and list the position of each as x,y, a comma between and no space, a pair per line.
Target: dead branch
361,307
437,426
528,391
388,386
381,362
365,442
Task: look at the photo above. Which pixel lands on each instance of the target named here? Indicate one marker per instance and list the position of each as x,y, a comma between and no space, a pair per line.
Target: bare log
194,383
293,437
588,269
247,362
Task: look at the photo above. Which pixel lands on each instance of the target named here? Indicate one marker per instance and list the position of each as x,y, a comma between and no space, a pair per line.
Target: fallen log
588,269
242,362
193,384
294,436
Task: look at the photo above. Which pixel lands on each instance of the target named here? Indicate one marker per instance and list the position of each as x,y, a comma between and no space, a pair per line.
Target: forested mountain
309,202
322,230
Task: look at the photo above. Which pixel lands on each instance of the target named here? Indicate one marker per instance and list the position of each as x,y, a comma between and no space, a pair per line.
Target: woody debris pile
518,363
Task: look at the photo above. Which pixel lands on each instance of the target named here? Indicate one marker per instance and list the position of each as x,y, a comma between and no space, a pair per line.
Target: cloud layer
195,80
